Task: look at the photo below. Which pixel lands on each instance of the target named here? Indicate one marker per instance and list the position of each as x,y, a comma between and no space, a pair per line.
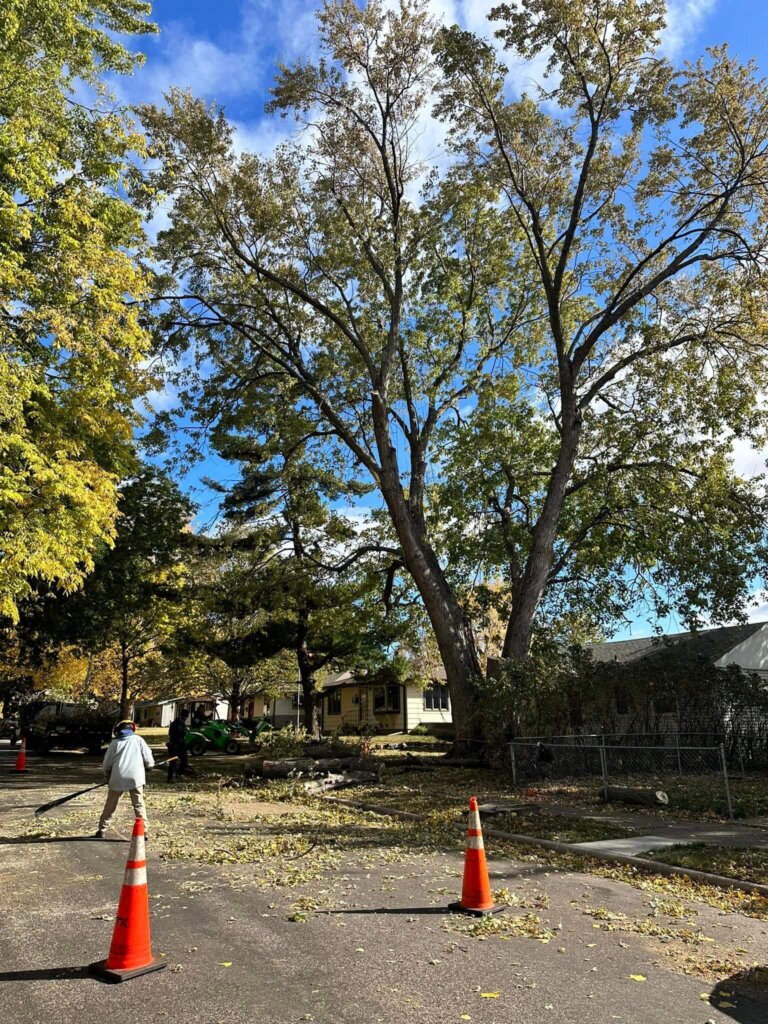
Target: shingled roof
706,643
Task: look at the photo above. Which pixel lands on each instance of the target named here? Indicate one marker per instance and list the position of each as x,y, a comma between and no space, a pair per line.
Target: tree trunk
453,634
124,660
311,716
453,631
234,699
530,590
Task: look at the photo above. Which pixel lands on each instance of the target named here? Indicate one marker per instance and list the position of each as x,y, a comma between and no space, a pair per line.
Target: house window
386,698
436,697
664,705
334,702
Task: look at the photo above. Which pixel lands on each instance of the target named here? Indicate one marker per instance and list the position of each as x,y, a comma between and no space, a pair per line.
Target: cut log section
340,781
492,810
645,797
288,767
295,767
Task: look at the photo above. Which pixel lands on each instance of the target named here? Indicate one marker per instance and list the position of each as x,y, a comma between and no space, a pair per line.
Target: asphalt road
381,954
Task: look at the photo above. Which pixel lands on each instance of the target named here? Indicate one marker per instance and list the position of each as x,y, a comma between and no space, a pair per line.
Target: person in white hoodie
125,764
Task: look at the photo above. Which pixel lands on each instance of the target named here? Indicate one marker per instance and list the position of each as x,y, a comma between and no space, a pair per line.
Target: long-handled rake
89,789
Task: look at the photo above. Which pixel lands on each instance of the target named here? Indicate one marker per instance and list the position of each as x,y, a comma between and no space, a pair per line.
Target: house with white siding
159,714
353,702
284,708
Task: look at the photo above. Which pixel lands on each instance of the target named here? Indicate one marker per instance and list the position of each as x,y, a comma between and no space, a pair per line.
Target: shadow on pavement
739,999
19,807
389,910
47,974
29,840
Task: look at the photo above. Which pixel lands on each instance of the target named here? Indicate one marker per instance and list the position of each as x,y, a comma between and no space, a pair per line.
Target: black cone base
101,970
456,908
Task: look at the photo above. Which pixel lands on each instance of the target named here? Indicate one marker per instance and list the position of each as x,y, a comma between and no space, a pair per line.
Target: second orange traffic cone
131,951
476,897
21,757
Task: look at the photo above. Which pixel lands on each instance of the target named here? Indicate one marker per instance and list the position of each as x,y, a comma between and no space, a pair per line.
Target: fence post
604,769
724,763
679,761
512,762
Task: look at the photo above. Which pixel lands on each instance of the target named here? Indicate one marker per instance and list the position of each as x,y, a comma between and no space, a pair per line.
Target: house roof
340,679
710,644
348,678
175,700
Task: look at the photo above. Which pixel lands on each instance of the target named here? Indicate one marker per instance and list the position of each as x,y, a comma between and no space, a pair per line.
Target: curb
654,867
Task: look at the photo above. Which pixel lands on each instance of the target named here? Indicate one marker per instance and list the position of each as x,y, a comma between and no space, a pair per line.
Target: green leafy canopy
71,342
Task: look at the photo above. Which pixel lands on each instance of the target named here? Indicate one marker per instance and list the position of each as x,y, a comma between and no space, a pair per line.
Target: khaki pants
110,806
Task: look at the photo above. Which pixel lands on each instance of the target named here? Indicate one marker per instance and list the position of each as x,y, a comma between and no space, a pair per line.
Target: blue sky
228,52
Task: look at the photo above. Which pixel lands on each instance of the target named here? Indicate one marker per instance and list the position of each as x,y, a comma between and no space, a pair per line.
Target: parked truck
68,726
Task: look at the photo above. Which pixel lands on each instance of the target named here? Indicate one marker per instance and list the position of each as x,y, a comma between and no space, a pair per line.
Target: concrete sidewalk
731,833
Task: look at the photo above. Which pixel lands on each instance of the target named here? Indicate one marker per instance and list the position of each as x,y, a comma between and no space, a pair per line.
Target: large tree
583,244
638,196
134,600
70,347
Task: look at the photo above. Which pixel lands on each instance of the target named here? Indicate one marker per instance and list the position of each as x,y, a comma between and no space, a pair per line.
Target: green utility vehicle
223,736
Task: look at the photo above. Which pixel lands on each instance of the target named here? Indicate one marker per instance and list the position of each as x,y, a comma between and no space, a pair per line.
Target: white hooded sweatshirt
125,761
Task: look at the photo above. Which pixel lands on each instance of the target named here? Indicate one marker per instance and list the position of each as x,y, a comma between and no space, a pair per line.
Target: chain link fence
696,777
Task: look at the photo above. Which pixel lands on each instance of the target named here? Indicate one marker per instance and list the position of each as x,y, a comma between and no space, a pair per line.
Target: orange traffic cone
131,951
21,757
476,895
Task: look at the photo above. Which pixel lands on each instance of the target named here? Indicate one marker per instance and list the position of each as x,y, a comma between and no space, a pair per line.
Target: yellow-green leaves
71,345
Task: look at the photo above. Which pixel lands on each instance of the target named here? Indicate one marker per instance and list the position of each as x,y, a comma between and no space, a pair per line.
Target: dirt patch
240,811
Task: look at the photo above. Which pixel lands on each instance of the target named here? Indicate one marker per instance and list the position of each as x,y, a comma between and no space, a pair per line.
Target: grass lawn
749,864
154,737
446,791
557,826
700,796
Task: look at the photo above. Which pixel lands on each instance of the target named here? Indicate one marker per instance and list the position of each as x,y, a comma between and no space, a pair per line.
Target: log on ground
645,797
331,782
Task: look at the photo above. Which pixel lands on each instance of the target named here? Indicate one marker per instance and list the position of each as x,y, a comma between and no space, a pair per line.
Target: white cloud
475,16
759,613
205,68
262,136
748,461
684,19
287,28
361,516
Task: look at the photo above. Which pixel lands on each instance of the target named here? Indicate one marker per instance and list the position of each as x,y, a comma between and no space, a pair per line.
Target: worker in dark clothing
177,746
544,760
543,754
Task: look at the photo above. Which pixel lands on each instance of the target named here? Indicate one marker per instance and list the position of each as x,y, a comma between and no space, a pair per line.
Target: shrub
286,742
